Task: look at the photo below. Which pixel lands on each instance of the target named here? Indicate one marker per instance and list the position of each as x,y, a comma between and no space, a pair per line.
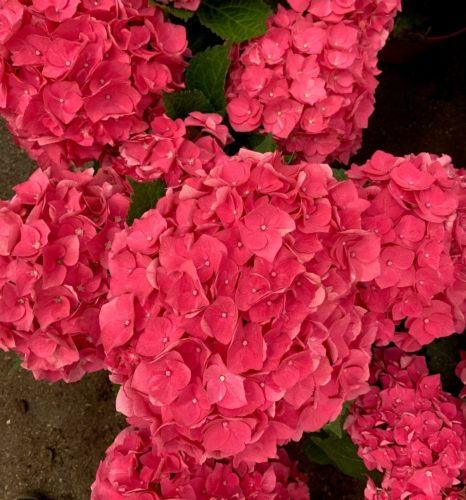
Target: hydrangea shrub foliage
185,232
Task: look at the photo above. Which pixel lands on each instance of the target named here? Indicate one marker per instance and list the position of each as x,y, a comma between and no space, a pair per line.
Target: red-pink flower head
135,467
245,332
310,80
54,248
409,429
80,78
416,208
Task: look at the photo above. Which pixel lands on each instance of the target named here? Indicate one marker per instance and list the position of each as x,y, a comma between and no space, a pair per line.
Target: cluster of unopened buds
55,235
407,427
310,80
417,207
79,79
135,468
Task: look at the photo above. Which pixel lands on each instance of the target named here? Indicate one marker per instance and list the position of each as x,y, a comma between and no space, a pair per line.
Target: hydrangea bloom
410,429
310,80
231,320
80,78
135,468
172,149
55,237
417,207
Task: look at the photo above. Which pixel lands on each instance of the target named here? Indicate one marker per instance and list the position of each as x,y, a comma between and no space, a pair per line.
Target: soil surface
53,436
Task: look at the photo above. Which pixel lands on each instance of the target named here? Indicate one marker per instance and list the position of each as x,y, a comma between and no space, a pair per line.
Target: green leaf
207,72
262,143
442,358
316,454
340,174
180,13
180,104
343,453
235,20
145,196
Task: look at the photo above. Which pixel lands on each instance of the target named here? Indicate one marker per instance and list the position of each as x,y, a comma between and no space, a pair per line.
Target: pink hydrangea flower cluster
310,80
55,237
135,468
172,149
418,208
231,321
80,77
407,427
